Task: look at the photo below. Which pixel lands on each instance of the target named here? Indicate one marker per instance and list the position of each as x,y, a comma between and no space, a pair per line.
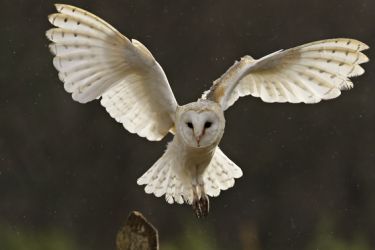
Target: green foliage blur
191,238
28,239
325,239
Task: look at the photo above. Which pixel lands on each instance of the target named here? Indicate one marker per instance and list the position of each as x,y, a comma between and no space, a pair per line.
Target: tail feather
173,192
162,178
152,177
169,193
162,186
220,174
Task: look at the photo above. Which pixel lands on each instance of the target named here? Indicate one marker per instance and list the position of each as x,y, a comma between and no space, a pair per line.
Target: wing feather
308,73
94,61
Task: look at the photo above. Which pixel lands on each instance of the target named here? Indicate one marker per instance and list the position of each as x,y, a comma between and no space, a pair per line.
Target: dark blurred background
68,171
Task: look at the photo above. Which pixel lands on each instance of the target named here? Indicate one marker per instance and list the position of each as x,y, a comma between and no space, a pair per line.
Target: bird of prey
95,61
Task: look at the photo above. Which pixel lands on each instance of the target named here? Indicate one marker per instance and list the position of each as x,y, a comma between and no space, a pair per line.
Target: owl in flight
95,61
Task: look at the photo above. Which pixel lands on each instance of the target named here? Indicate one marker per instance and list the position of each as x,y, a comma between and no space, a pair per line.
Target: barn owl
95,61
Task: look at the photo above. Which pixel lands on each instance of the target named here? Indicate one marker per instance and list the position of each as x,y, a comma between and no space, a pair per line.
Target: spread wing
308,73
95,60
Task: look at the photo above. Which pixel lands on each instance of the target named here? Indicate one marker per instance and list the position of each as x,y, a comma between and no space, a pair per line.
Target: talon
201,206
196,209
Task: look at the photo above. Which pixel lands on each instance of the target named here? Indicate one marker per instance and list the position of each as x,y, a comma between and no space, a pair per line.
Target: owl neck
191,158
207,150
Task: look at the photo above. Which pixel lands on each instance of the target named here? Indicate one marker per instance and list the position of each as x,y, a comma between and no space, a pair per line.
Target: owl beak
198,134
198,138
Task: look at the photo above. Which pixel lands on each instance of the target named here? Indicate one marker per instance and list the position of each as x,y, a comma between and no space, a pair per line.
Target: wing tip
361,45
51,18
364,46
60,6
52,48
363,58
49,34
57,6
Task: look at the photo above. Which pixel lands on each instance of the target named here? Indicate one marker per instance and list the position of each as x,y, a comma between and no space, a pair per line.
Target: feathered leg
201,203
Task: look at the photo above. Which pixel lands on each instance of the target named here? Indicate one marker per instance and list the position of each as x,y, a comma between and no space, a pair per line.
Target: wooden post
137,234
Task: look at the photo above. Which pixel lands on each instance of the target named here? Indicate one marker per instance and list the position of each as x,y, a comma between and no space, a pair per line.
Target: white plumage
95,61
308,73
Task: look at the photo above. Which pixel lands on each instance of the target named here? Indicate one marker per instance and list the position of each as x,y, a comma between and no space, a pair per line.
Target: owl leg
201,203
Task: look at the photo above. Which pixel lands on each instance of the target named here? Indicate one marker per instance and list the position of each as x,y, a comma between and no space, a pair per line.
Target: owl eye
189,124
207,124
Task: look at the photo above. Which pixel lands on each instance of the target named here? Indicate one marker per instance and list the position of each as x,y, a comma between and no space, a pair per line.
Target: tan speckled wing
95,60
308,73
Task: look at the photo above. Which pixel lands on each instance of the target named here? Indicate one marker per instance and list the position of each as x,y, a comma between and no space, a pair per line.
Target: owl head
200,124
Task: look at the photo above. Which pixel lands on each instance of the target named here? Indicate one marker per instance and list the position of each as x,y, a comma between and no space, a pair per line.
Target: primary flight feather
95,61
